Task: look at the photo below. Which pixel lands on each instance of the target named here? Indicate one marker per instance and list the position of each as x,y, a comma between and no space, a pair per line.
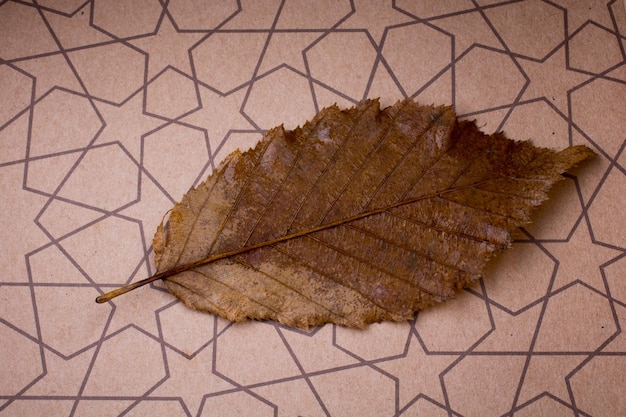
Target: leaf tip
574,155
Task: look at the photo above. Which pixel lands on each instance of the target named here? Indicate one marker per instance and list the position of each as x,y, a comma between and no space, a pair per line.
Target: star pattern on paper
284,50
192,379
538,381
469,29
419,372
219,115
168,47
50,72
126,123
551,79
581,259
375,17
579,12
74,31
276,63
130,313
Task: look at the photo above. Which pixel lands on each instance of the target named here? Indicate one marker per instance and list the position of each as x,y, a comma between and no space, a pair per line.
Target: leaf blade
361,215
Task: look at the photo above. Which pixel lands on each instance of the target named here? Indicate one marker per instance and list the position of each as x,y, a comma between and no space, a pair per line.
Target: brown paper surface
110,111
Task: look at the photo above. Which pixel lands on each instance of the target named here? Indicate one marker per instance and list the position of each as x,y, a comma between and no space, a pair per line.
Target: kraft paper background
111,110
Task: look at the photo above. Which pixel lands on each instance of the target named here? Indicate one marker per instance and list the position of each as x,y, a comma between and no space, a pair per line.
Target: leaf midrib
244,249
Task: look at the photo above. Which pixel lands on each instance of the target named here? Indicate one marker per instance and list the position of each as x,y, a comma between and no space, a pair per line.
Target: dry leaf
359,216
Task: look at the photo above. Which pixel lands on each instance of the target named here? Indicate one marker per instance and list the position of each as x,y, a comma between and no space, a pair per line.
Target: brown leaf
359,216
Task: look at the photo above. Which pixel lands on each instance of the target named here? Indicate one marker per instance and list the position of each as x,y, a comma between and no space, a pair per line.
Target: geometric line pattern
110,111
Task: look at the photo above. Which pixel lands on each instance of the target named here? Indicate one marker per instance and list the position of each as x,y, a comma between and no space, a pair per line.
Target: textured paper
110,111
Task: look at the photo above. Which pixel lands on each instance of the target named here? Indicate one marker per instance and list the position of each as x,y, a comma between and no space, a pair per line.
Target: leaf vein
371,264
330,163
348,183
272,277
332,278
240,194
442,229
278,188
408,249
230,287
404,156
